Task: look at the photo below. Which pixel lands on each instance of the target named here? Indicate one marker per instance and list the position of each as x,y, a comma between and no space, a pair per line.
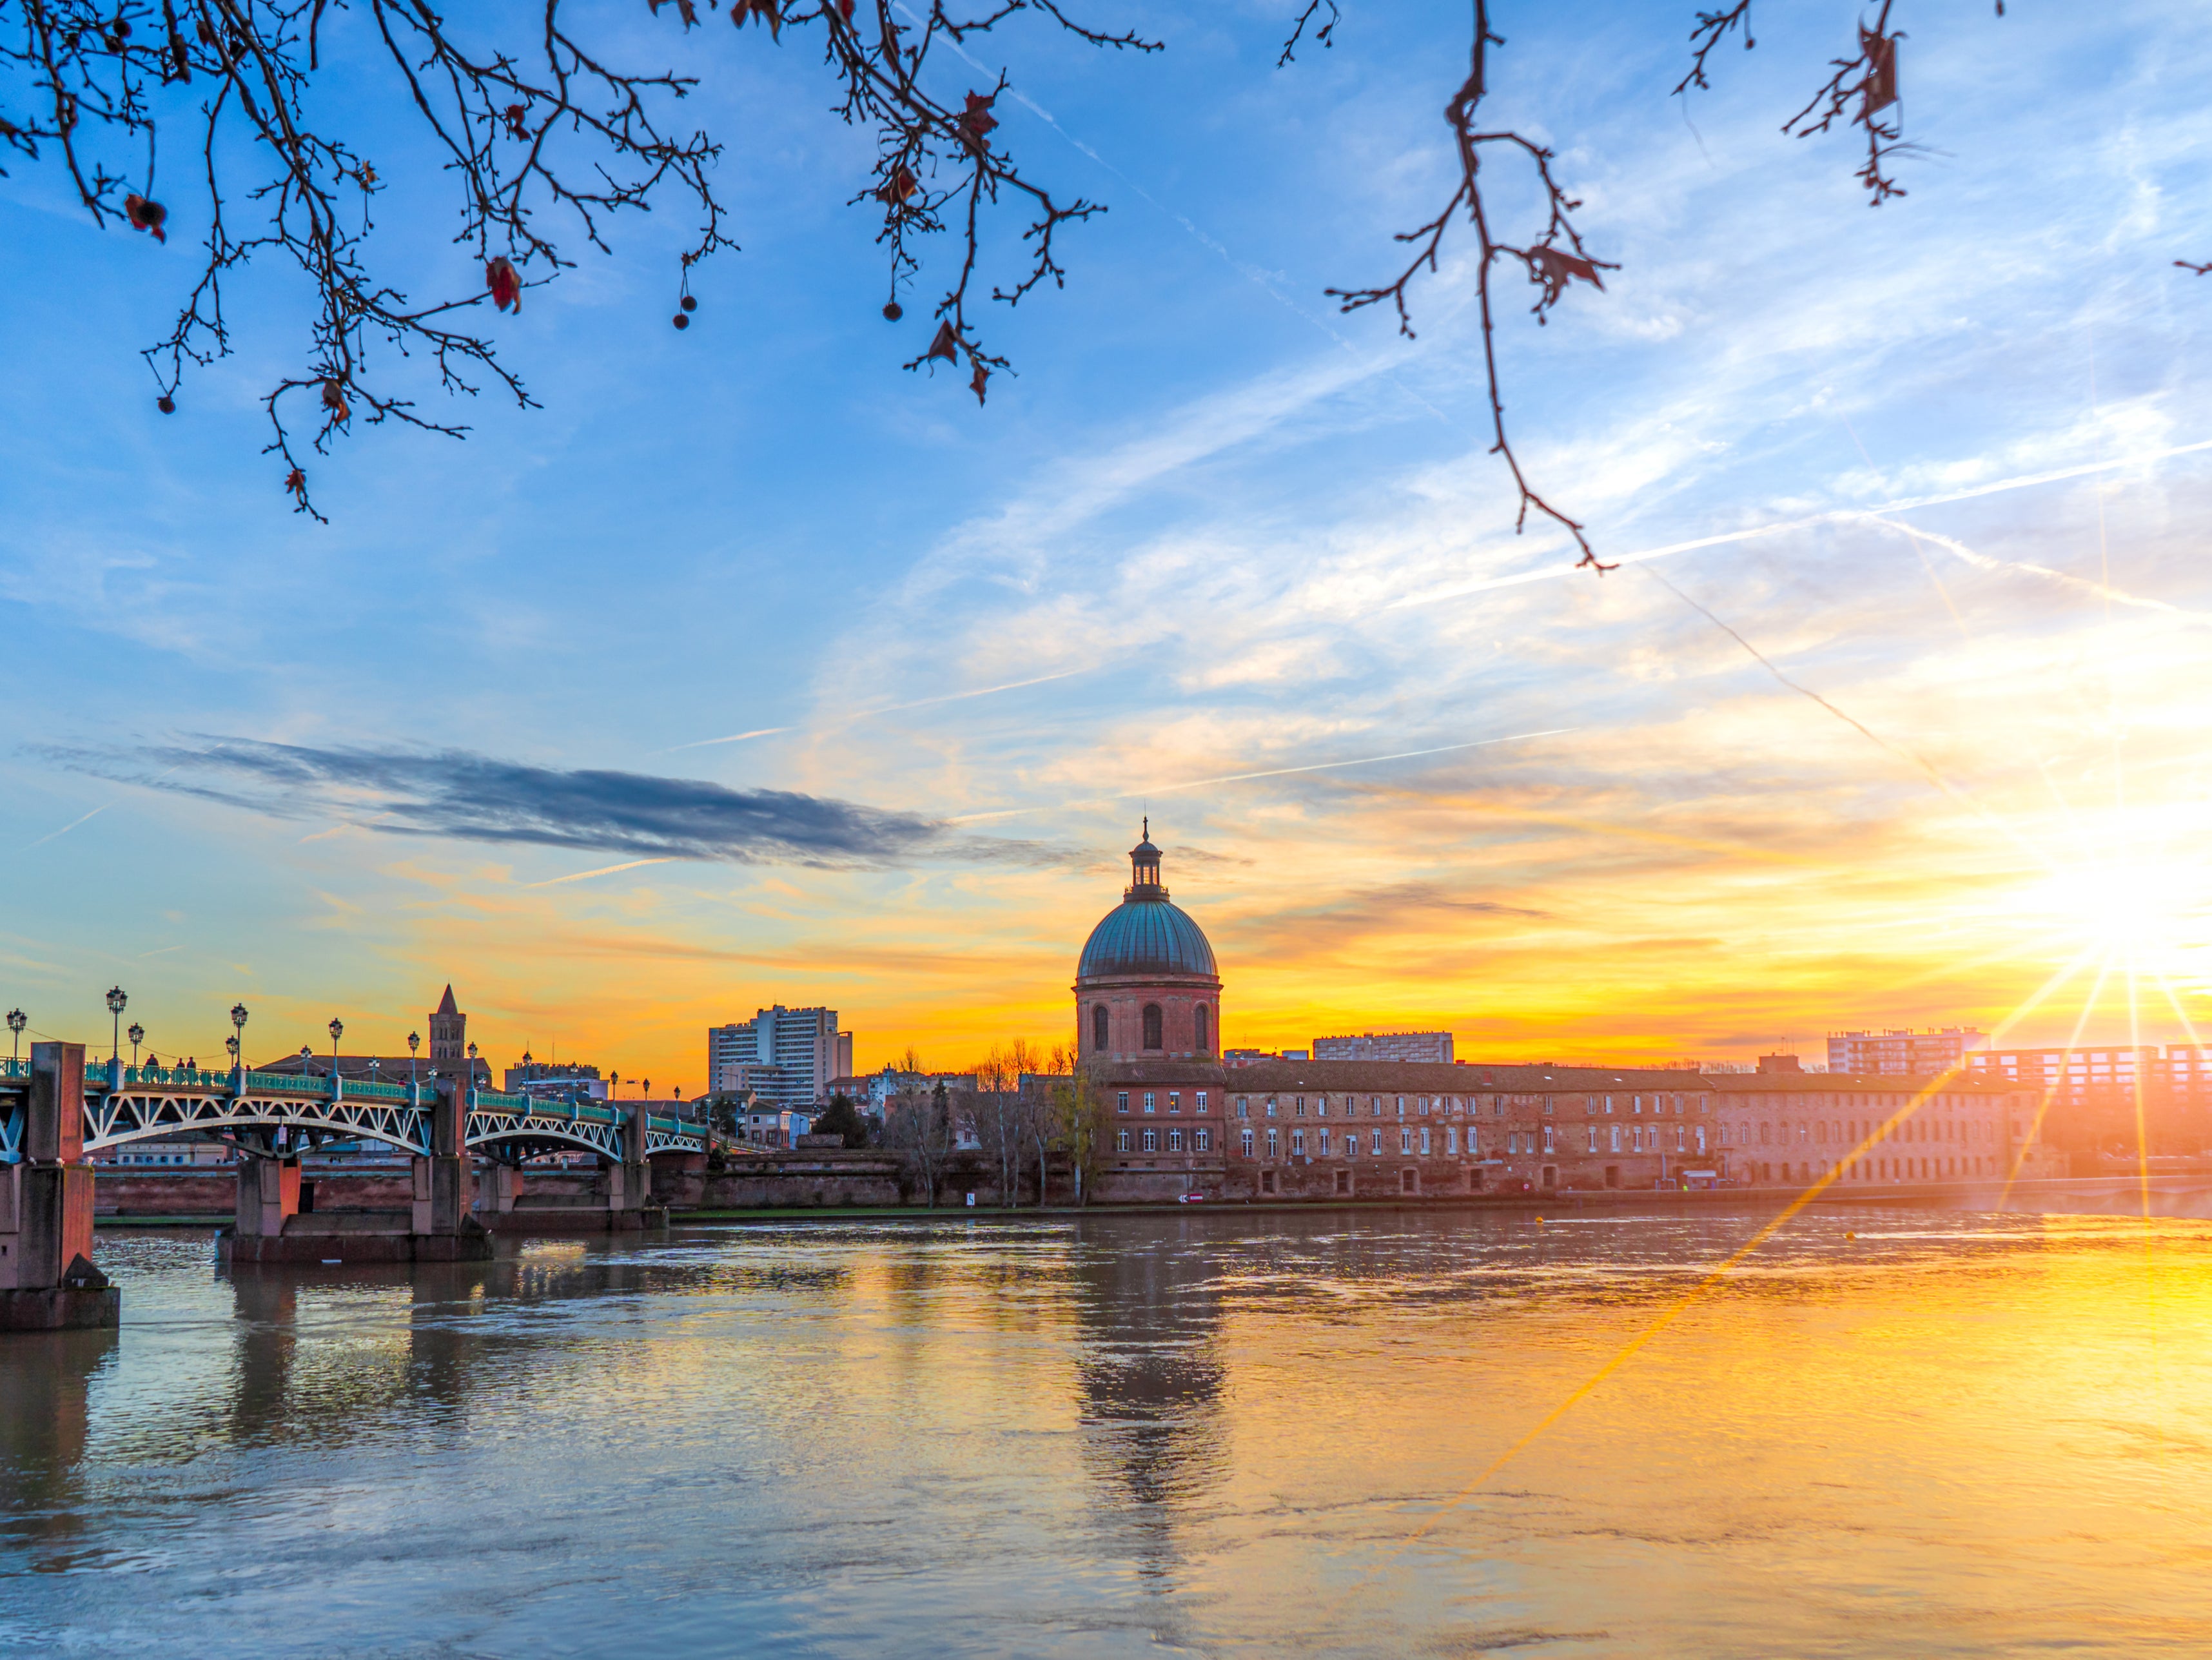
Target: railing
17,1067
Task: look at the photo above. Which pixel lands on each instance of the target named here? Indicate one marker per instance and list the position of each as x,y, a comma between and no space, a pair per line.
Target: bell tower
449,1030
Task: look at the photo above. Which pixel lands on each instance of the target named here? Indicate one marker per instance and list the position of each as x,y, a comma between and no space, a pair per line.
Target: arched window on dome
1153,1026
1097,1025
1204,1046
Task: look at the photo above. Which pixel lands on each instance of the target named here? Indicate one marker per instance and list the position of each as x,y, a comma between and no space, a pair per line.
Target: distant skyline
752,670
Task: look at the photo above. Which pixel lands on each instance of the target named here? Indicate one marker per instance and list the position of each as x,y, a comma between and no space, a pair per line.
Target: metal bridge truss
212,1103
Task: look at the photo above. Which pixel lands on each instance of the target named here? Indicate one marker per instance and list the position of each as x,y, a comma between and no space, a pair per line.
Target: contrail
603,870
1271,772
888,709
1988,561
734,737
67,827
1364,761
1839,515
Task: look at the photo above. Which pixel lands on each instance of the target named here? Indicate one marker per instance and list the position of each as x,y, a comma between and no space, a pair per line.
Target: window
1148,1102
1175,1141
1271,1143
1547,1104
1097,1025
1153,1026
1513,1142
1636,1138
1205,1043
1122,1141
1152,1139
1352,1144
1201,1100
1121,1100
1323,1134
1175,1100
1405,1139
1549,1145
1498,1106
1243,1106
1320,1106
1402,1106
1616,1138
1424,1140
1424,1106
1451,1140
1593,1133
1271,1106
1297,1144
1201,1140
1245,1138
1680,1145
1376,1147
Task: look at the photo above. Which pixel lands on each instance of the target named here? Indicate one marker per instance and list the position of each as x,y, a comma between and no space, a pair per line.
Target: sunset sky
1217,553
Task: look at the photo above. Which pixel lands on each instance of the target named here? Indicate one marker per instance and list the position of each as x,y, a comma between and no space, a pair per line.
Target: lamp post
116,1001
414,1042
645,1089
231,1044
337,1030
16,1021
237,1044
137,1036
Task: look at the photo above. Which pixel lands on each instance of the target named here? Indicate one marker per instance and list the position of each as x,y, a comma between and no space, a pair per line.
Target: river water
1954,1433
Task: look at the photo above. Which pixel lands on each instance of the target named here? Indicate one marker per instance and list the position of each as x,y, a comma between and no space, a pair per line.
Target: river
1882,1432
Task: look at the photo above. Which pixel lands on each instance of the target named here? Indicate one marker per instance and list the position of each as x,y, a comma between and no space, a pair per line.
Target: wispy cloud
477,798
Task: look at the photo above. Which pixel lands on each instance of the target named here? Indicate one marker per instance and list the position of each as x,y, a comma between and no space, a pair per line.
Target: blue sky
1211,529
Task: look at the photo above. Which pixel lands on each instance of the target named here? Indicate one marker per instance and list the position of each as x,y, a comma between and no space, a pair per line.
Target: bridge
274,1114
54,1111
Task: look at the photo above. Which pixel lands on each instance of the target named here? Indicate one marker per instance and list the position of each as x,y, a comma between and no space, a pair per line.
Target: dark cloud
475,797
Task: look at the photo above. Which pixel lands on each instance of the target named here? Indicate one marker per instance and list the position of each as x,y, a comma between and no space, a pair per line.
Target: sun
2155,916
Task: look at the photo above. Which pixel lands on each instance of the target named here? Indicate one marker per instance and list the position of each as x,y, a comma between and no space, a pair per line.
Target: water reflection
1150,1375
1107,1437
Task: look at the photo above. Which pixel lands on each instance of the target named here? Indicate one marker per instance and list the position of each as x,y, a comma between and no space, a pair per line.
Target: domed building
1146,987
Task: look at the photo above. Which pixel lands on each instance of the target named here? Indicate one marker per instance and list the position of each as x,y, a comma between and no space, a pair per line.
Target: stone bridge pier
47,1282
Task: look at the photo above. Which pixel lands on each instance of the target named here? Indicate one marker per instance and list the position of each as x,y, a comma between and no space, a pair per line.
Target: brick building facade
1370,1129
1178,1120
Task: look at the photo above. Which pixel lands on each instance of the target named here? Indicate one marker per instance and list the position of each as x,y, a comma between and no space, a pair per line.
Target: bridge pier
47,1282
268,1197
498,1189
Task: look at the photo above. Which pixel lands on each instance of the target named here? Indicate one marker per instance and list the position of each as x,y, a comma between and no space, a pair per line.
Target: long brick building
1148,993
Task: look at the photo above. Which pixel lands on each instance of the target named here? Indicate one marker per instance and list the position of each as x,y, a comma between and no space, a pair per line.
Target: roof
446,1003
1501,1078
1147,936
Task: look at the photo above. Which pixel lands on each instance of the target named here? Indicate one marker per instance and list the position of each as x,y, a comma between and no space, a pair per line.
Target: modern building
1433,1047
2111,1095
1145,986
555,1080
1902,1052
1178,1121
792,1054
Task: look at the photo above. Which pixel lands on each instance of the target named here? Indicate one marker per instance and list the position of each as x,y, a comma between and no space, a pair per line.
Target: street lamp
231,1044
337,1030
414,1042
16,1021
137,1036
237,1044
645,1088
117,1000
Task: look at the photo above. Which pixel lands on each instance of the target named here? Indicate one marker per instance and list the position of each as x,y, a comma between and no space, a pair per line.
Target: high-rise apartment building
786,1055
1433,1046
1903,1053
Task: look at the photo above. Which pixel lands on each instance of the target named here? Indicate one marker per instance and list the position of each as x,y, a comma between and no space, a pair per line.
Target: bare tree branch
1554,258
545,140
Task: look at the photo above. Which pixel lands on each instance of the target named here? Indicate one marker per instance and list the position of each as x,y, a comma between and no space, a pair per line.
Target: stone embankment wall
797,1180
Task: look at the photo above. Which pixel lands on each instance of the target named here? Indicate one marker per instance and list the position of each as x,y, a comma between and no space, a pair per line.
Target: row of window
1155,1023
1151,1099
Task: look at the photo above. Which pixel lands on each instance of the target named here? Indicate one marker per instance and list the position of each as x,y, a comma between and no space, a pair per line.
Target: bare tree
537,131
1076,1115
919,1125
551,134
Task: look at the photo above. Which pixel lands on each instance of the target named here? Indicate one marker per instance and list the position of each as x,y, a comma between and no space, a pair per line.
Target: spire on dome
1145,868
447,1005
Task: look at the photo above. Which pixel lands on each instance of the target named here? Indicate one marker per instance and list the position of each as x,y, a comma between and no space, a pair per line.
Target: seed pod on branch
505,282
946,344
146,216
